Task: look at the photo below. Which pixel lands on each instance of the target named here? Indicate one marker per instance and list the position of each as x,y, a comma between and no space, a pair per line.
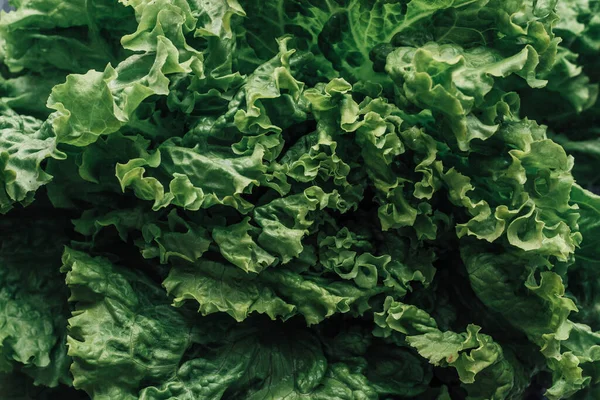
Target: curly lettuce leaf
480,362
25,143
120,316
278,293
453,81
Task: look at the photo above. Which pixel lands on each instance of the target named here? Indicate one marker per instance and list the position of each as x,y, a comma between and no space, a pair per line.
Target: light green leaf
278,293
24,144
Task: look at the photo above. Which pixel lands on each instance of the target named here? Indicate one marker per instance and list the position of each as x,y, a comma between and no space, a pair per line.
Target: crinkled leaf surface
337,199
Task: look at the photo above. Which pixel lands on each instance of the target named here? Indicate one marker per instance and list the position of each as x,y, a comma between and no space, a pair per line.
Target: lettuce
339,199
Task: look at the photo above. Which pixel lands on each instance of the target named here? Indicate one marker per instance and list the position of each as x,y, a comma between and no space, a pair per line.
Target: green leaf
237,244
341,33
278,293
34,300
200,179
27,94
94,104
120,317
471,353
453,81
24,144
508,284
589,224
47,36
583,282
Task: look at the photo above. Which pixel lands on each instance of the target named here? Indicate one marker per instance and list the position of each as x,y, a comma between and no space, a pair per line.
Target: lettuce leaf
338,199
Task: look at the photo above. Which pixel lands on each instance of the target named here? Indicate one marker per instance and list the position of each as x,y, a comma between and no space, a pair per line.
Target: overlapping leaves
298,199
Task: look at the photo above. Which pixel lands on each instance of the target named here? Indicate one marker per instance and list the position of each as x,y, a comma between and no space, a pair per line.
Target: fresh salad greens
300,199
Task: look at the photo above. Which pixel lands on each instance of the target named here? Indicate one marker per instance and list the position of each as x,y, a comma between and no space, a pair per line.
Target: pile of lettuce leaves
300,199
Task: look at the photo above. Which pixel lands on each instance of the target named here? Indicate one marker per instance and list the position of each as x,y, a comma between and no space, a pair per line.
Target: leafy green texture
265,200
34,322
573,117
25,144
120,316
470,353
